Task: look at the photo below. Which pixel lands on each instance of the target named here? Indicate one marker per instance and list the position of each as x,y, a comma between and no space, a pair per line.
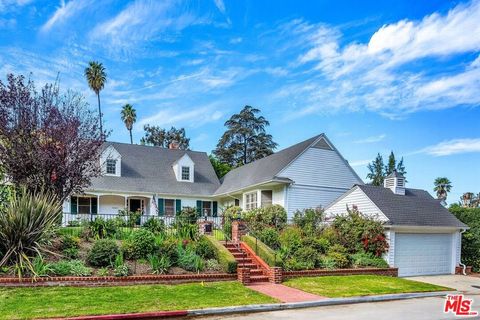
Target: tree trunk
131,138
100,116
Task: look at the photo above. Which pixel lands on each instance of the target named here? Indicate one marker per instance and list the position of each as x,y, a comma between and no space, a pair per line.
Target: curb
263,307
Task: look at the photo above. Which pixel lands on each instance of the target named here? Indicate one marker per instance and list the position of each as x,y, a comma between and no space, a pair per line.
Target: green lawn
41,302
362,285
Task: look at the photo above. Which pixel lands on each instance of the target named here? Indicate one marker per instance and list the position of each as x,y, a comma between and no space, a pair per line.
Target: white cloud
65,12
187,118
236,40
455,146
398,71
8,5
359,163
372,139
220,6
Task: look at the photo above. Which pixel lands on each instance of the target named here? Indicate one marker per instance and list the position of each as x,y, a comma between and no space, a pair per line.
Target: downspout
464,267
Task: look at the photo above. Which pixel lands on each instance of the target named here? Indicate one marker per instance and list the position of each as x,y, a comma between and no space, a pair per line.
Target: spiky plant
25,227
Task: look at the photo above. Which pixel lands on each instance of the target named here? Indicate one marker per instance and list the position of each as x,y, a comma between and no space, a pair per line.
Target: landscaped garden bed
359,285
31,303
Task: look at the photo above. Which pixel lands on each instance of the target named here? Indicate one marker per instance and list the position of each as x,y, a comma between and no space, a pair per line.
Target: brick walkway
284,293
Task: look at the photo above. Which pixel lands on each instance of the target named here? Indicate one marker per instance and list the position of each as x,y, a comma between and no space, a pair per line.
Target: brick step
258,278
241,260
237,252
248,265
231,245
256,272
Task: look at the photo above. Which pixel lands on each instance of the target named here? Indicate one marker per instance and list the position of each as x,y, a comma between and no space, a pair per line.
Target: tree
96,78
442,186
221,169
129,117
48,141
377,171
392,165
156,136
245,139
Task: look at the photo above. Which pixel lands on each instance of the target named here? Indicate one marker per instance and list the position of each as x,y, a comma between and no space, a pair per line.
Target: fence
76,224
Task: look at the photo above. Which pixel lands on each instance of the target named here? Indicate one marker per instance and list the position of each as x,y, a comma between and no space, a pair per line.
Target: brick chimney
173,145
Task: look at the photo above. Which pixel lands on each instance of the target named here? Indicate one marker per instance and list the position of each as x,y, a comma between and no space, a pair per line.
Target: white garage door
423,254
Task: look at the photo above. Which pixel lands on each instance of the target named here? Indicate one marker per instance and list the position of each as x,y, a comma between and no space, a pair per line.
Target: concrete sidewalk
284,293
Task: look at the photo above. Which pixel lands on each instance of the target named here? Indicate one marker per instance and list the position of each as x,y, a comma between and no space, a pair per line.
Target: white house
424,237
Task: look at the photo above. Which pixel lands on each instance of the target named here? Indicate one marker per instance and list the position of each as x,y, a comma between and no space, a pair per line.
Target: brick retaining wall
392,272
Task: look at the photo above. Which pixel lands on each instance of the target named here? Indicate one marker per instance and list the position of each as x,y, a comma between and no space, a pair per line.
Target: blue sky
374,76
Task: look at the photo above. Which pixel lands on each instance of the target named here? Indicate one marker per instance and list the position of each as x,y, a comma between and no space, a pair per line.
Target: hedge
224,257
471,238
263,251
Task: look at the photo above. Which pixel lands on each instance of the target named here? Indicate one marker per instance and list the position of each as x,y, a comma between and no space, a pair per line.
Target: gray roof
415,208
149,169
395,174
262,170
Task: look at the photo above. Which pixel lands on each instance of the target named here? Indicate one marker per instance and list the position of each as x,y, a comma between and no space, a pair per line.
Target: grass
263,251
224,257
42,302
362,285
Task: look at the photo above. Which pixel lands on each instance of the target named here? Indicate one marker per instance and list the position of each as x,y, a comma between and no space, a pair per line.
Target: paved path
284,293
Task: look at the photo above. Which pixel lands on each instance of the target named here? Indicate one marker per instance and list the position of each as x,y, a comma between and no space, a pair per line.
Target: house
161,181
424,237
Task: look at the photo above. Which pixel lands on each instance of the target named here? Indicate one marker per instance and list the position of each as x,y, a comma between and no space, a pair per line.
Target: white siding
111,204
303,197
322,168
279,196
357,198
390,256
458,248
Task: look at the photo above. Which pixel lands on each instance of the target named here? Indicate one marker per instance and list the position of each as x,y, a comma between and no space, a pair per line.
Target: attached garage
423,254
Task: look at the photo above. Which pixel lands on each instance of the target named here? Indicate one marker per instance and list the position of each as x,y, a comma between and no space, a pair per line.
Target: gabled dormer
111,162
184,169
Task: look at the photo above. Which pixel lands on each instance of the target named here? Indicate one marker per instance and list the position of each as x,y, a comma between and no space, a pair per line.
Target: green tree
392,165
245,139
129,117
377,171
442,187
156,136
96,78
221,169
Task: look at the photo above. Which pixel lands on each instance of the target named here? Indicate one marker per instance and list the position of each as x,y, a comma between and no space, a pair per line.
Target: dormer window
111,166
185,173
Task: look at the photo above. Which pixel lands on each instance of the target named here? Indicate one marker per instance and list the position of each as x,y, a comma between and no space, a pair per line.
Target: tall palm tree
442,187
129,117
96,78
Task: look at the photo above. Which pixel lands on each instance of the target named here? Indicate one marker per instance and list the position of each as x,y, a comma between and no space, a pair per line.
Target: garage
418,254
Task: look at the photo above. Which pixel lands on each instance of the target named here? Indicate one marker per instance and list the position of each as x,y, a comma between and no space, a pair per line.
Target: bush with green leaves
26,227
471,237
130,218
273,216
291,238
308,255
160,264
140,244
103,253
154,225
204,248
270,236
213,265
120,268
100,228
362,260
75,268
40,267
189,260
168,247
70,246
339,255
186,224
311,221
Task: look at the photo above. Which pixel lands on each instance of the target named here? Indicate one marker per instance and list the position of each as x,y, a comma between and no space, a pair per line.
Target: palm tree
96,78
442,187
129,117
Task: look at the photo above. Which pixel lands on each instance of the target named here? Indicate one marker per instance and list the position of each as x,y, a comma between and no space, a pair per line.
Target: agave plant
25,227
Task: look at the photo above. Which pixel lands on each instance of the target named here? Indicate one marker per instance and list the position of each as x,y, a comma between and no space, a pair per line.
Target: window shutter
73,205
161,207
94,205
178,206
215,208
199,208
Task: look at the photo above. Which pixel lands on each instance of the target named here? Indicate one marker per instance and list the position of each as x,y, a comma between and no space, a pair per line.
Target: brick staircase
257,274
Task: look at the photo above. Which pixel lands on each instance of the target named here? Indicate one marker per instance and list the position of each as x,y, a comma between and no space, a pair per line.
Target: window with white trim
186,173
84,205
111,166
169,207
251,201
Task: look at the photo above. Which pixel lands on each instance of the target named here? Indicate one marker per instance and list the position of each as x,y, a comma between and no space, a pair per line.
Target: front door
136,205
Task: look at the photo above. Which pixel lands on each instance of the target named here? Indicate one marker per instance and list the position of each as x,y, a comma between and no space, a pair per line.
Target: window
169,207
266,198
185,173
251,201
84,205
111,166
207,208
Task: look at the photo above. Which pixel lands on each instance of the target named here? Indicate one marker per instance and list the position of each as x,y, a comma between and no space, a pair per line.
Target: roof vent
395,182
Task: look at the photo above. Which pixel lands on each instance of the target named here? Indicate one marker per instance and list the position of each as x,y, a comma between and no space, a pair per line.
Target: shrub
70,268
225,258
311,221
263,251
327,263
26,225
212,265
120,268
69,242
70,253
131,218
103,253
139,244
101,228
291,238
102,272
292,264
270,237
159,264
471,237
321,245
154,225
189,260
362,259
168,247
340,259
204,248
307,256
273,216
40,268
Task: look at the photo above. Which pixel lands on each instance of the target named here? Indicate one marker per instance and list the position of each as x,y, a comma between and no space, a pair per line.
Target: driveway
422,309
